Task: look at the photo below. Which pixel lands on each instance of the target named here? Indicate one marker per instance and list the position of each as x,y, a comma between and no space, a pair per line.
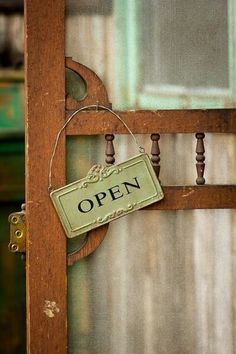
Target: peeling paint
50,308
189,193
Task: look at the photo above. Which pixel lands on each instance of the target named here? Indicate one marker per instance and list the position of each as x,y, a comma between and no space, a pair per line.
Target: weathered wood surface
148,122
95,89
196,197
92,242
96,93
46,242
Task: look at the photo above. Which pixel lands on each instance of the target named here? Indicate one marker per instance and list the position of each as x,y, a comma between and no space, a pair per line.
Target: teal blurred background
12,275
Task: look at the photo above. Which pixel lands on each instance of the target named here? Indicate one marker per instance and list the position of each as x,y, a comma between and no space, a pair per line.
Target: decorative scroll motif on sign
115,214
98,173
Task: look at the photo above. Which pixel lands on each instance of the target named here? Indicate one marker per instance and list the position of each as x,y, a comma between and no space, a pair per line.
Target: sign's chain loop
140,148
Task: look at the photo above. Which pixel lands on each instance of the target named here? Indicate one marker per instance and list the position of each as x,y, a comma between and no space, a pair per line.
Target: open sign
105,194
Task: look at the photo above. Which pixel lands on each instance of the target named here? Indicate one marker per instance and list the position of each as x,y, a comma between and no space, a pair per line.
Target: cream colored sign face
105,194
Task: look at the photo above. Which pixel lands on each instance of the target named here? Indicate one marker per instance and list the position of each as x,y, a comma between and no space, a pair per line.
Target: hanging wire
93,106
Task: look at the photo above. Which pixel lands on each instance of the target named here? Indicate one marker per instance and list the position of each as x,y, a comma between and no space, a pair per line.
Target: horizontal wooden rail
147,122
197,197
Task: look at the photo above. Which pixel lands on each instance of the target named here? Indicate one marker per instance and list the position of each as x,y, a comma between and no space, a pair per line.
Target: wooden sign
105,194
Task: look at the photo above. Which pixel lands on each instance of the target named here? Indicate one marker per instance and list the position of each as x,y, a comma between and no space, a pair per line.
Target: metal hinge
17,231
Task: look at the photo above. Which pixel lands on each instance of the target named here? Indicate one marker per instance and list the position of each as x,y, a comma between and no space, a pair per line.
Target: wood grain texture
162,121
46,242
196,197
93,240
96,91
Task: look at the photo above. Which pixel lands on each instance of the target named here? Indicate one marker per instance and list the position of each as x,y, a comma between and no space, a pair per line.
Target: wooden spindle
110,151
200,165
155,153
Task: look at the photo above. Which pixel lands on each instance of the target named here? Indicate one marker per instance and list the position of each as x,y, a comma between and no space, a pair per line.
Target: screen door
161,282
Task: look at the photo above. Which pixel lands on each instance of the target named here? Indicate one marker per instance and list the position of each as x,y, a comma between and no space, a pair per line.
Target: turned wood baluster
110,151
155,152
200,165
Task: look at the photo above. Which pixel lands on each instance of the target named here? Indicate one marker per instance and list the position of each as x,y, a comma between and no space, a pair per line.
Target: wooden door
46,244
46,248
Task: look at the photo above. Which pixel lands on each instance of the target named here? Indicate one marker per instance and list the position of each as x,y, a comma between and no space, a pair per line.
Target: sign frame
80,209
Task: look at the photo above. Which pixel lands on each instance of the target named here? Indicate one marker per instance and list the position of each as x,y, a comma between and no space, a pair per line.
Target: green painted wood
12,176
128,61
12,278
127,58
121,51
11,108
176,102
11,137
11,75
232,47
133,58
